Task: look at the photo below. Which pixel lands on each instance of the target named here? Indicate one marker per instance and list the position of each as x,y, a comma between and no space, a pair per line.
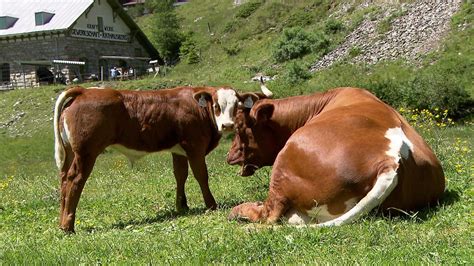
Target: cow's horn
264,88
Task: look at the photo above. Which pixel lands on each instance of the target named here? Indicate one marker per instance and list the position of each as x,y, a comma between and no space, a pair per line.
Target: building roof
66,12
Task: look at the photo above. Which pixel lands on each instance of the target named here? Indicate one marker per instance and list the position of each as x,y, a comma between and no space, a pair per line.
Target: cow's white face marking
400,145
227,102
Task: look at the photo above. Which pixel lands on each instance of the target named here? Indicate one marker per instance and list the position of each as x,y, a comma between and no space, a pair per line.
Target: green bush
232,49
333,26
296,73
355,51
300,18
296,42
136,11
188,51
247,9
432,89
166,35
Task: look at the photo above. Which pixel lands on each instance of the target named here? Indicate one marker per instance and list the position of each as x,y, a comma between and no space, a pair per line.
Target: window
100,24
42,18
7,22
5,72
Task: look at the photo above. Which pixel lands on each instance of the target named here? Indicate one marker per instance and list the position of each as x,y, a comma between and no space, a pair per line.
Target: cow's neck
294,112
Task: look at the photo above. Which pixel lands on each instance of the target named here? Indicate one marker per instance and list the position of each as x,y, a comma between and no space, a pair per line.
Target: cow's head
224,102
254,144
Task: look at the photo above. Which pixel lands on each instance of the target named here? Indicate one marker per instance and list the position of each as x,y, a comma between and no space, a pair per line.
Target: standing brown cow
187,121
335,156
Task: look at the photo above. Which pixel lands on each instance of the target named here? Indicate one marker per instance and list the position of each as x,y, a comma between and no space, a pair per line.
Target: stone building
54,40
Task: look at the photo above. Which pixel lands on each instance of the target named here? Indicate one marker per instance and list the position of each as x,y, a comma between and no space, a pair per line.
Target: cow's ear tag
202,101
248,103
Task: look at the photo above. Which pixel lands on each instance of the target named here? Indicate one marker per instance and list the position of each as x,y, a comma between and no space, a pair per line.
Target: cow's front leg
249,211
269,212
198,165
180,169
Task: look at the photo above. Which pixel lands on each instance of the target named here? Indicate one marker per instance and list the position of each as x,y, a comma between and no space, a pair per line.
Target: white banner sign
109,36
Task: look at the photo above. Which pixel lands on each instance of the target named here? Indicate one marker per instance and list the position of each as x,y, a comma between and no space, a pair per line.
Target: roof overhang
50,62
125,57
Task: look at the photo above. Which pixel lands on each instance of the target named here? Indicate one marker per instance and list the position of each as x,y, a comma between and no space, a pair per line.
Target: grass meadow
126,215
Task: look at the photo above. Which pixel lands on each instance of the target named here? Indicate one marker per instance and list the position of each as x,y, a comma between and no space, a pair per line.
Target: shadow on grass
163,216
449,197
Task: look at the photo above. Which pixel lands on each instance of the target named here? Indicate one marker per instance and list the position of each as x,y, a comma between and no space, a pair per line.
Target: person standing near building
113,73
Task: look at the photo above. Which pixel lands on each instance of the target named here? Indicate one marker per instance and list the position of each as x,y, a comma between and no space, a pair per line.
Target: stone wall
67,48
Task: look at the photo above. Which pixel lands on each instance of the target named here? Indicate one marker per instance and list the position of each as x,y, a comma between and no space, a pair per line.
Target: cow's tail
384,185
63,99
387,179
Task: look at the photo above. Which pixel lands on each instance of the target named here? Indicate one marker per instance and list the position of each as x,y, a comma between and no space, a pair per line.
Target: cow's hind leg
198,165
72,184
63,175
180,169
387,180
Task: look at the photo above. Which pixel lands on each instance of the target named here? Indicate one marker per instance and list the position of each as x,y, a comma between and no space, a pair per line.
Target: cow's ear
202,97
264,112
247,100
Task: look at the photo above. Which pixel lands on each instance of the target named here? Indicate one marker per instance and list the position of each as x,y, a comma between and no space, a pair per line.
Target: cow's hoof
182,209
67,231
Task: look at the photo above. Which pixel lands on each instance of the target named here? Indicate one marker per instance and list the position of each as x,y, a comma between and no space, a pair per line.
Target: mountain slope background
400,50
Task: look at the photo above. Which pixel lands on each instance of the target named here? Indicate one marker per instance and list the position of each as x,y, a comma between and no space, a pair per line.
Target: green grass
126,215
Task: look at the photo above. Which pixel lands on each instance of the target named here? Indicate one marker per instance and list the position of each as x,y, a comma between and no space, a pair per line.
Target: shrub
321,43
296,73
188,51
300,19
355,51
333,26
430,90
166,35
295,43
136,11
232,49
247,9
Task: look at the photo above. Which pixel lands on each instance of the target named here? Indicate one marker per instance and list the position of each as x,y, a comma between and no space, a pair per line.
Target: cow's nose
227,126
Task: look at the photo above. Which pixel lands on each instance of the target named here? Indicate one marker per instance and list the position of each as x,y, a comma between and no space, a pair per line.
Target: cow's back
147,121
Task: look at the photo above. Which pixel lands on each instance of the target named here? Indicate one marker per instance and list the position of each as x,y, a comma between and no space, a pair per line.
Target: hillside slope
415,54
407,31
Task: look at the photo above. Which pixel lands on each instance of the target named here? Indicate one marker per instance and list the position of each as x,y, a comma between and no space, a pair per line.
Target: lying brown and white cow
136,123
335,155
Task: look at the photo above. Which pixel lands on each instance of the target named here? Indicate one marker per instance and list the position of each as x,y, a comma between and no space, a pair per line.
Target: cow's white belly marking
134,155
317,214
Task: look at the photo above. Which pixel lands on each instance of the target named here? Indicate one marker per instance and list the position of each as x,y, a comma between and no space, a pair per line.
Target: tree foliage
166,34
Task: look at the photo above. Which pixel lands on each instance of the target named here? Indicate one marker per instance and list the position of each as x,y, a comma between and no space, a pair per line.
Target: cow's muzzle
248,169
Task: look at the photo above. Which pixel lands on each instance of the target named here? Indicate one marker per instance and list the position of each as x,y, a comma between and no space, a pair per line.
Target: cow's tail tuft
63,99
